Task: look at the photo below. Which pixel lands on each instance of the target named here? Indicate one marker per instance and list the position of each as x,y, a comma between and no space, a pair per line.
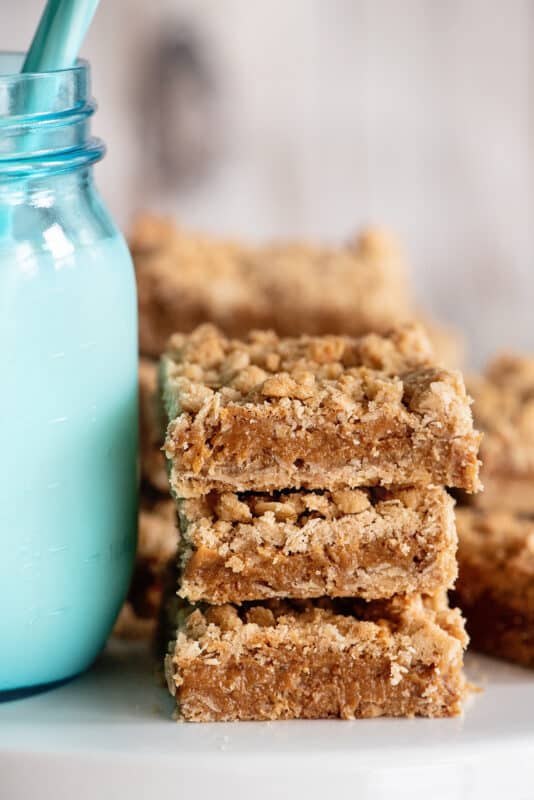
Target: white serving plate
109,734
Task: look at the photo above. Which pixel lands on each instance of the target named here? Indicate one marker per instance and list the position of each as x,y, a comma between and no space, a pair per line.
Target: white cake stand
108,734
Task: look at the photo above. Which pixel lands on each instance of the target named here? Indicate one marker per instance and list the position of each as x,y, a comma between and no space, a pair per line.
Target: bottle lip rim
81,65
38,95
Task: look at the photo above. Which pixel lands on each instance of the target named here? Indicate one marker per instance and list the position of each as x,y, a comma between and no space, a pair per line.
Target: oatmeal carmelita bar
185,279
504,410
496,582
325,412
308,660
369,543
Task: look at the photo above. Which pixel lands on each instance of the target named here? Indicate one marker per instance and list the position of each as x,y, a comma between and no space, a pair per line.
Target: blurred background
306,118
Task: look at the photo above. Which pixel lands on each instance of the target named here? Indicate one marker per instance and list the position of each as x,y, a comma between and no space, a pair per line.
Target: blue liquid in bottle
68,395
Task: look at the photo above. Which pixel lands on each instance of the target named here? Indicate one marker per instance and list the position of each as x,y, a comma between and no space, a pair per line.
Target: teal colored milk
68,411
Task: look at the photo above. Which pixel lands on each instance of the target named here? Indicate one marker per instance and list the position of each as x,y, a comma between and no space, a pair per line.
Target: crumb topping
265,366
299,507
205,371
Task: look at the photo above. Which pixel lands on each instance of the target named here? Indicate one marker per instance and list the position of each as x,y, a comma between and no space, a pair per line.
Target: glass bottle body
68,423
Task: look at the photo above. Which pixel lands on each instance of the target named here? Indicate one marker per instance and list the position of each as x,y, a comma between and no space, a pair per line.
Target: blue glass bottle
68,384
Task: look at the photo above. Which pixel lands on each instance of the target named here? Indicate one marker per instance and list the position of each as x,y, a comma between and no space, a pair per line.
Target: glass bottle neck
43,208
45,120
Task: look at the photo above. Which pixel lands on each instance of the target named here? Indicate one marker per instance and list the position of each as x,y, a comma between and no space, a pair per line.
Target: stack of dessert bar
317,540
496,555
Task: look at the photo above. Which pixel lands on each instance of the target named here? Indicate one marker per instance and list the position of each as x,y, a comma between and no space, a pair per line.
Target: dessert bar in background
185,279
504,411
495,587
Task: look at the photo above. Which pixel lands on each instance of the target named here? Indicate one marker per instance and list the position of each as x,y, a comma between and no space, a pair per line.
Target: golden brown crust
361,543
281,660
185,279
325,412
504,411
